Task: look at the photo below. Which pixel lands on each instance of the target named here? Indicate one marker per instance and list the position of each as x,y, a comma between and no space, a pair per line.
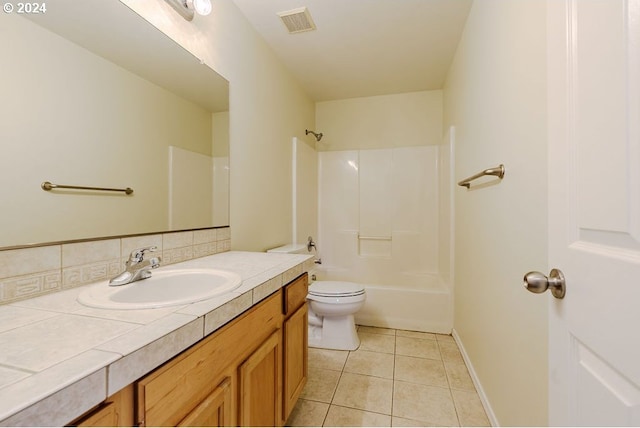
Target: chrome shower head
317,135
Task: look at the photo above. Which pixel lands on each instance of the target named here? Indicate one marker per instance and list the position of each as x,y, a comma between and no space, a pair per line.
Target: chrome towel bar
50,186
497,171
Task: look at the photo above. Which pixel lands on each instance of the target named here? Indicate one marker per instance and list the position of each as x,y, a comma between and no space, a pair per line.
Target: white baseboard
483,397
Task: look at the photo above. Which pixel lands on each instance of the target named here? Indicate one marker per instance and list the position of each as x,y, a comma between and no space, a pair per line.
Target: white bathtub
407,301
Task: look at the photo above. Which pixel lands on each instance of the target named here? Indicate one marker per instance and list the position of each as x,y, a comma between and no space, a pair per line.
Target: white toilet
332,305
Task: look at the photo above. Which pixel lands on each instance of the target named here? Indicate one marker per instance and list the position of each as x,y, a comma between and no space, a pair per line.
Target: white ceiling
364,47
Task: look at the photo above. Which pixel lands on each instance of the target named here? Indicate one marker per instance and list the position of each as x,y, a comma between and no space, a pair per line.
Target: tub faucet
312,245
137,267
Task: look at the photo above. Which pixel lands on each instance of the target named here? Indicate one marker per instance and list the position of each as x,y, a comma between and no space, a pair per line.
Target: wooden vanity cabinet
250,372
184,389
295,339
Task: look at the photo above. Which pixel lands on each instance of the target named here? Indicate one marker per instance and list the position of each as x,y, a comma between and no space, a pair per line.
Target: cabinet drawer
295,294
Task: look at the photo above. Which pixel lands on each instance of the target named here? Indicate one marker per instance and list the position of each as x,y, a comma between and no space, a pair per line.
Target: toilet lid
335,289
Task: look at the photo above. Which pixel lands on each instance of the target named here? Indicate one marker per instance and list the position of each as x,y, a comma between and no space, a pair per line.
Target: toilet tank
290,249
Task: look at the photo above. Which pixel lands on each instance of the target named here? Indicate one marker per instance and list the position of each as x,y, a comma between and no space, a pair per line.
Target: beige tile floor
395,378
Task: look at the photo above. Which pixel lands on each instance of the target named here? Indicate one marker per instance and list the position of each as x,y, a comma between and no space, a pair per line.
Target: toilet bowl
332,305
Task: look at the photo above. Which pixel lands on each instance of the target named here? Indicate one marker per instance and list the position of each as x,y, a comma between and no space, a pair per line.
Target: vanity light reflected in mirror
186,8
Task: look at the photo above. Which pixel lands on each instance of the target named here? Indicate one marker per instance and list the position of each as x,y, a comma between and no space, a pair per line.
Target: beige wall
267,109
385,121
495,97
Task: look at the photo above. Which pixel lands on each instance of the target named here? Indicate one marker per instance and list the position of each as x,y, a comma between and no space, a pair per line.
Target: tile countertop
59,358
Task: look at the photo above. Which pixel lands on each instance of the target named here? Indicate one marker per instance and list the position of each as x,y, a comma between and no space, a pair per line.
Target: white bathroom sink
166,287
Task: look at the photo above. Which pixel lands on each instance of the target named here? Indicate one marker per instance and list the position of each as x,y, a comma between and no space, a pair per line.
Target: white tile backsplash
29,272
204,236
26,261
134,242
85,274
223,234
85,253
177,240
27,286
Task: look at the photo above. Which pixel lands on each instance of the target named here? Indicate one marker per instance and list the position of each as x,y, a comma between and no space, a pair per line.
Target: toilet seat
335,289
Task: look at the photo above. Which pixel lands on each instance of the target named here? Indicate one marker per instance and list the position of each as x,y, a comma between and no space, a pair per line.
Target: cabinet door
213,411
295,358
260,379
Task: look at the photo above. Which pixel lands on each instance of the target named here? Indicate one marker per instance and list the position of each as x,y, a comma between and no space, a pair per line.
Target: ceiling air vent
297,20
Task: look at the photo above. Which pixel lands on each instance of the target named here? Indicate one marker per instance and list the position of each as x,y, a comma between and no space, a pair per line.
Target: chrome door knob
537,282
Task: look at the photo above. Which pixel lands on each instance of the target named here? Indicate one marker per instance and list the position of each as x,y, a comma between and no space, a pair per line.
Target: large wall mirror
93,95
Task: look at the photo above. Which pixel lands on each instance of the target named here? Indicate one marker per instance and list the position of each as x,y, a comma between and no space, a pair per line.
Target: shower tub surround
380,213
59,358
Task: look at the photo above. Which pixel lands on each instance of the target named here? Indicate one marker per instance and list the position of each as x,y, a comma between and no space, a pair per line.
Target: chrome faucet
137,267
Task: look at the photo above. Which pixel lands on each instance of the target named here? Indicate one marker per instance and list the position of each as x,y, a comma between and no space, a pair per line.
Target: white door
594,211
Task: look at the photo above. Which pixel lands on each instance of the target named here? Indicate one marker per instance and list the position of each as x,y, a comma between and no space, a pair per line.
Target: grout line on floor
333,396
393,379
